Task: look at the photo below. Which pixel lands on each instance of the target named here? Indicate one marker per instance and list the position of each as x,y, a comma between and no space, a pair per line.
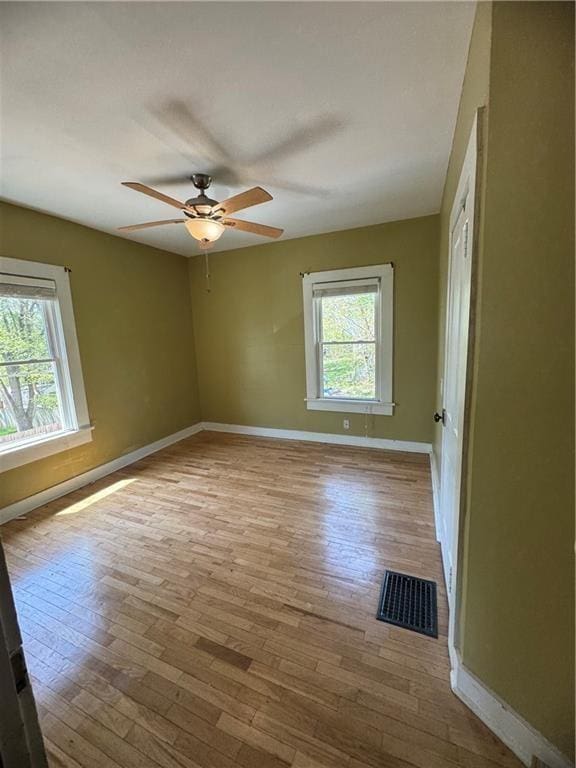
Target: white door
455,365
456,353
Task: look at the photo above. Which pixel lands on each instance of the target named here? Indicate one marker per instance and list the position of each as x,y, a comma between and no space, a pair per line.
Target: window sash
33,360
359,288
353,341
57,352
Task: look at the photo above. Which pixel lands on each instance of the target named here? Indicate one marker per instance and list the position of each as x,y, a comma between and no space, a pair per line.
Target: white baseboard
321,437
56,491
435,493
512,729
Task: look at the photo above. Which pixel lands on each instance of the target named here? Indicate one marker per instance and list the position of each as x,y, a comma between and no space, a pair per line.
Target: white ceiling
343,111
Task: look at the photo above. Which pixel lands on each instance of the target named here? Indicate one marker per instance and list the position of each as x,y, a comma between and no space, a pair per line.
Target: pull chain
205,246
207,266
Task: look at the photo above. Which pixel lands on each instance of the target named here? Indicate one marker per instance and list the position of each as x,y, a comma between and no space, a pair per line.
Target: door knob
440,417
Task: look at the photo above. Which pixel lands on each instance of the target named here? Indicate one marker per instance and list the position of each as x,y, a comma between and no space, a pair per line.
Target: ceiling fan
207,219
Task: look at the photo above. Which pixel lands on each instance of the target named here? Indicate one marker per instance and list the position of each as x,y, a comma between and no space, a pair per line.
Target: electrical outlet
346,423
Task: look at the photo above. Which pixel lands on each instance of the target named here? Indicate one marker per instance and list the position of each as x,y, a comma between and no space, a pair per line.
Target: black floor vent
409,602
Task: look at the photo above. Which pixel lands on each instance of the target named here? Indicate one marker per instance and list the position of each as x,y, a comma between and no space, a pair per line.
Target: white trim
349,406
436,495
38,499
45,445
62,335
381,443
384,275
512,729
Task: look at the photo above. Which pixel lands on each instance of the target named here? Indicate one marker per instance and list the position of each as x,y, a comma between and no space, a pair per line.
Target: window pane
349,371
349,318
23,333
29,403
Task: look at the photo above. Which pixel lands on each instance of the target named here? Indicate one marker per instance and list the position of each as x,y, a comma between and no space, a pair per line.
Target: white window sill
350,406
39,449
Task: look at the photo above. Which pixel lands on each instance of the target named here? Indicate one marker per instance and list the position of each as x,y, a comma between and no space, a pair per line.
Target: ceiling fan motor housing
199,203
201,181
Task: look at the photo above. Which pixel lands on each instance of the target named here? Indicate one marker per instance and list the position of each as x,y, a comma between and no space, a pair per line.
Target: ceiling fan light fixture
205,230
206,219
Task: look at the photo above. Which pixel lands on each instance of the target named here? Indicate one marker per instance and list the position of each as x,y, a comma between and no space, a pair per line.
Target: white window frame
77,429
384,275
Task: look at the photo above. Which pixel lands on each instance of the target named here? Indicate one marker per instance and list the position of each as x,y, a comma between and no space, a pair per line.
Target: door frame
21,743
468,194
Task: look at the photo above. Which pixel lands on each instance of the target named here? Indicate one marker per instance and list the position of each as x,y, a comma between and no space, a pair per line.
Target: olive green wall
134,324
250,330
517,622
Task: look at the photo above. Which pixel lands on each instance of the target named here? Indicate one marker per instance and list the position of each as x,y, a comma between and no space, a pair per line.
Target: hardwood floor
213,606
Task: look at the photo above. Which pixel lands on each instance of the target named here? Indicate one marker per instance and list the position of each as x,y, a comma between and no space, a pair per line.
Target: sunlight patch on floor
94,497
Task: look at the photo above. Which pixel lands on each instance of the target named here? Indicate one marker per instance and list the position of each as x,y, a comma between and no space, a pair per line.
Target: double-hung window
348,319
42,402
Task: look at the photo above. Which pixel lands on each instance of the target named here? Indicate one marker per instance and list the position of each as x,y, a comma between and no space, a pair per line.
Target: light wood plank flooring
213,606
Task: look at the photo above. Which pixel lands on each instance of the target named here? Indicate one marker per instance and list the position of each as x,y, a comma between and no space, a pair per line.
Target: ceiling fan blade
250,226
153,193
253,196
134,227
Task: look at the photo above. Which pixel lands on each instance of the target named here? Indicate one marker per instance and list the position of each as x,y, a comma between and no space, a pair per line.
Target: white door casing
456,353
